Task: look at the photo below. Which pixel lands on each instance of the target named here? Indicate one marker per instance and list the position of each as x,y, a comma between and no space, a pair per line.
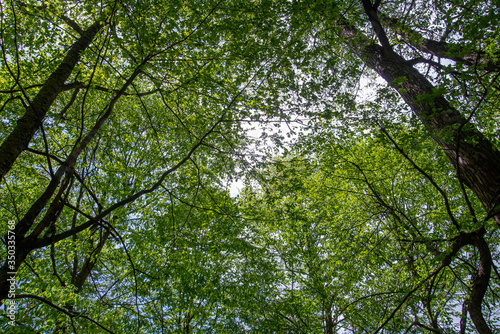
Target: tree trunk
475,159
329,324
443,49
480,283
32,119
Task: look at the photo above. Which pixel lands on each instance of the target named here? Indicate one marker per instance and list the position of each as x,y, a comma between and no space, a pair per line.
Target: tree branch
71,314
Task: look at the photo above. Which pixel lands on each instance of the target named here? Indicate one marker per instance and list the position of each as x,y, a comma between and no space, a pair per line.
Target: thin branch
73,24
69,313
427,176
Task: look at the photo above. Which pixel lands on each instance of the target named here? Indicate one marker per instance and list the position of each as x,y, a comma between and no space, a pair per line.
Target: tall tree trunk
28,124
79,279
477,162
25,244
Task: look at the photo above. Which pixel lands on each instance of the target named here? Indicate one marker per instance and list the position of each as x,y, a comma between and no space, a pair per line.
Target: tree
452,101
114,118
372,237
123,118
474,157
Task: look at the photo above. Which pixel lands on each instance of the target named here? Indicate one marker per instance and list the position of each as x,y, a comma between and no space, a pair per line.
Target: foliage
366,133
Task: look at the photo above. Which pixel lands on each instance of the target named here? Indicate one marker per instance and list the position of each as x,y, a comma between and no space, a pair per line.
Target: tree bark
480,280
476,160
25,244
480,283
28,124
79,279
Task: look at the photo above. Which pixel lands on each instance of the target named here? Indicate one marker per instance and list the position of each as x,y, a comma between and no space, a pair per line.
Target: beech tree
122,125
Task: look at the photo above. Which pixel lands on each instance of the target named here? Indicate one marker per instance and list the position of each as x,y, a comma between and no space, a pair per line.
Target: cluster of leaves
121,201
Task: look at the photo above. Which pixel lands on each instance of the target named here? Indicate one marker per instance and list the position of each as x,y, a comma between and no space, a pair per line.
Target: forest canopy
364,135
